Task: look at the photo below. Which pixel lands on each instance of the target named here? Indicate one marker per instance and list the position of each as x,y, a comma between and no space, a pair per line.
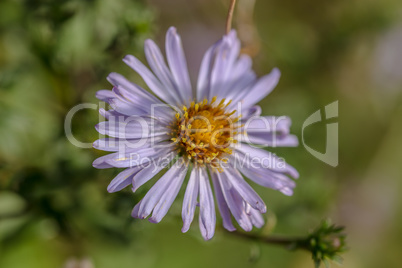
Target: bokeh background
54,207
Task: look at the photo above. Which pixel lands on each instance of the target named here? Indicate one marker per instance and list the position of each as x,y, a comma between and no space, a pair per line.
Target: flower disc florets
204,132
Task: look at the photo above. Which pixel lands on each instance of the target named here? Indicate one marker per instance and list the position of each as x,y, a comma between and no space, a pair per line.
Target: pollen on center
205,131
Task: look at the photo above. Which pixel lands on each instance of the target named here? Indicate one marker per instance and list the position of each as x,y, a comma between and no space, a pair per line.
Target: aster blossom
208,135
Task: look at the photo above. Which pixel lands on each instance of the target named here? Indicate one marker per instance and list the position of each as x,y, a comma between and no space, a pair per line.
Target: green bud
325,243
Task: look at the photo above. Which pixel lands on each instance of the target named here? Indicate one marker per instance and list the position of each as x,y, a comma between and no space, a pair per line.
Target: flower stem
230,16
287,242
325,243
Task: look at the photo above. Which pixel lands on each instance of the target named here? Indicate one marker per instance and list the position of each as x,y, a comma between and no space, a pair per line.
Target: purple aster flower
210,134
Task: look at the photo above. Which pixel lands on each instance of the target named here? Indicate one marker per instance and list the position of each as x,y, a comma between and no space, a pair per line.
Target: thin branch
325,243
230,16
288,242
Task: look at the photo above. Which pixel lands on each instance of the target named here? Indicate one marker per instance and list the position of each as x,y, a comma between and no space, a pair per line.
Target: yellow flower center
204,132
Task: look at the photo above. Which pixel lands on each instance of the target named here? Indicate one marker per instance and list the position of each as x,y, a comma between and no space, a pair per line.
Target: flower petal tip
230,228
172,30
208,237
263,209
111,189
148,42
129,58
153,220
276,71
287,191
185,228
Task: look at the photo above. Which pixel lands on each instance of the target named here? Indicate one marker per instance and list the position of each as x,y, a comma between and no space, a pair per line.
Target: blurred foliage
54,208
54,55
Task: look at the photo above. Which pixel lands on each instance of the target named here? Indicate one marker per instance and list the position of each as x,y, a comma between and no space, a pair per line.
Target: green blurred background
54,207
